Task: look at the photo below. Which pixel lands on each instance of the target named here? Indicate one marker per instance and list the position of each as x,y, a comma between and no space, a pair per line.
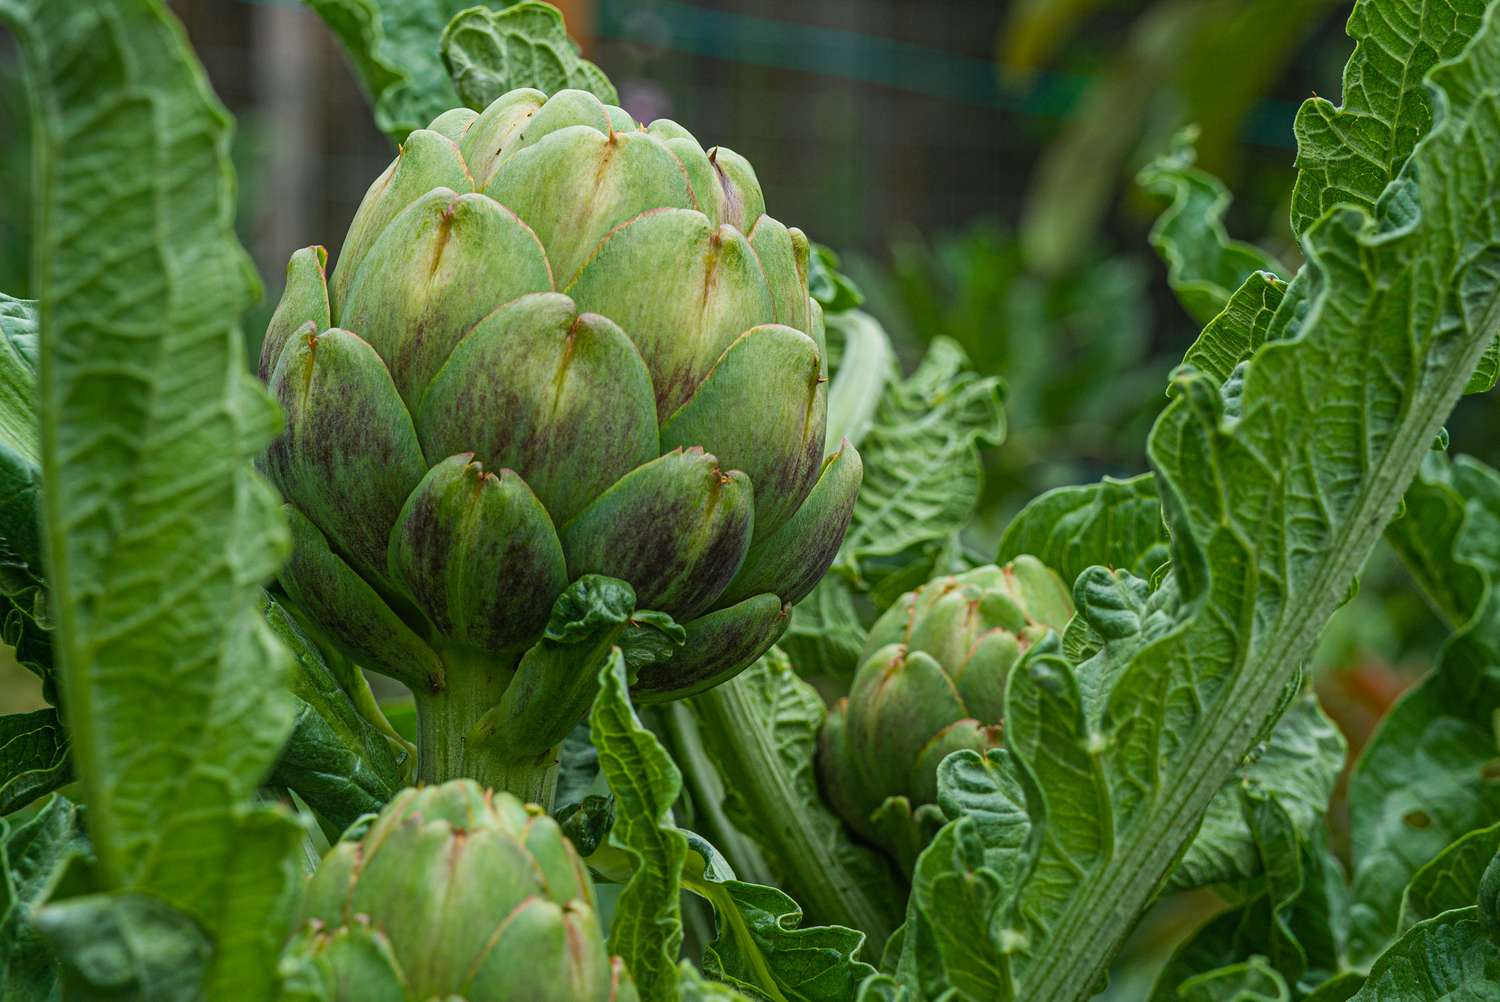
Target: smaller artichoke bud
931,681
454,891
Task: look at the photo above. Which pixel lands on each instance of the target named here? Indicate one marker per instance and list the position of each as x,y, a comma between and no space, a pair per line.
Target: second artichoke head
931,681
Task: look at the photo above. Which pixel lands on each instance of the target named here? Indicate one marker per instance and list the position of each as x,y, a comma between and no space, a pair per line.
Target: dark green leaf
490,52
32,850
33,757
1448,882
1432,772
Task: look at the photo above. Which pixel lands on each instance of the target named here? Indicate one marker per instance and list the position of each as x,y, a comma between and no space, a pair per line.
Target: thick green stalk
759,730
707,788
473,684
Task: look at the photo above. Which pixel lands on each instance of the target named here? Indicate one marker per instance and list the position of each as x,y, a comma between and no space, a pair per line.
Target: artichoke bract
454,892
931,681
556,344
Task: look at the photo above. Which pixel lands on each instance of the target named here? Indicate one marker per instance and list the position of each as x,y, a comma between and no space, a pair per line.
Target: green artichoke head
454,891
931,681
556,343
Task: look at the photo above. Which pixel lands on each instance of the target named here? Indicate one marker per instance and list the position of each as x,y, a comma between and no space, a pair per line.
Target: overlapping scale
440,267
560,396
704,289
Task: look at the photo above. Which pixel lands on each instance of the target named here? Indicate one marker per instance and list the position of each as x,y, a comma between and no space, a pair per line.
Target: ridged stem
473,683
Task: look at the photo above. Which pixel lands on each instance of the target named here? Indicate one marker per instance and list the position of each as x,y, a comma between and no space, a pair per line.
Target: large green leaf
1114,523
1448,881
1293,917
1347,155
1427,776
158,534
758,944
1274,496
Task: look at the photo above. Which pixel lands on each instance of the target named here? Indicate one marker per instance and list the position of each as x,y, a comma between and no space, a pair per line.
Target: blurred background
973,163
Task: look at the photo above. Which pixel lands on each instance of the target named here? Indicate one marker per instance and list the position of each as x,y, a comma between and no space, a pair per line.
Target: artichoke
931,681
453,892
557,345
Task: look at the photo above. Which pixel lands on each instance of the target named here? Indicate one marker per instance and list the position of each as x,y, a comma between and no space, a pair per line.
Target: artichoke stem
473,684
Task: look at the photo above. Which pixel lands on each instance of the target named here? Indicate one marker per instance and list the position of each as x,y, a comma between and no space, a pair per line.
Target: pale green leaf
158,532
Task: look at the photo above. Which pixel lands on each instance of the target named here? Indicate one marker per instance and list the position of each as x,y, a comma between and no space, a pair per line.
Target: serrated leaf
158,532
1297,768
1347,155
758,945
1114,523
1271,512
1204,265
922,469
489,52
647,926
760,729
1292,920
760,949
1242,327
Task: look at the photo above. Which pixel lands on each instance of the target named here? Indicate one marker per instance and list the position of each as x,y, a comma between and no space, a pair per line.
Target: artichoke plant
931,681
557,346
454,892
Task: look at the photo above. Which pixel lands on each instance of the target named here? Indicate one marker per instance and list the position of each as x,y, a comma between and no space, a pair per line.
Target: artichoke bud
456,891
931,682
556,343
